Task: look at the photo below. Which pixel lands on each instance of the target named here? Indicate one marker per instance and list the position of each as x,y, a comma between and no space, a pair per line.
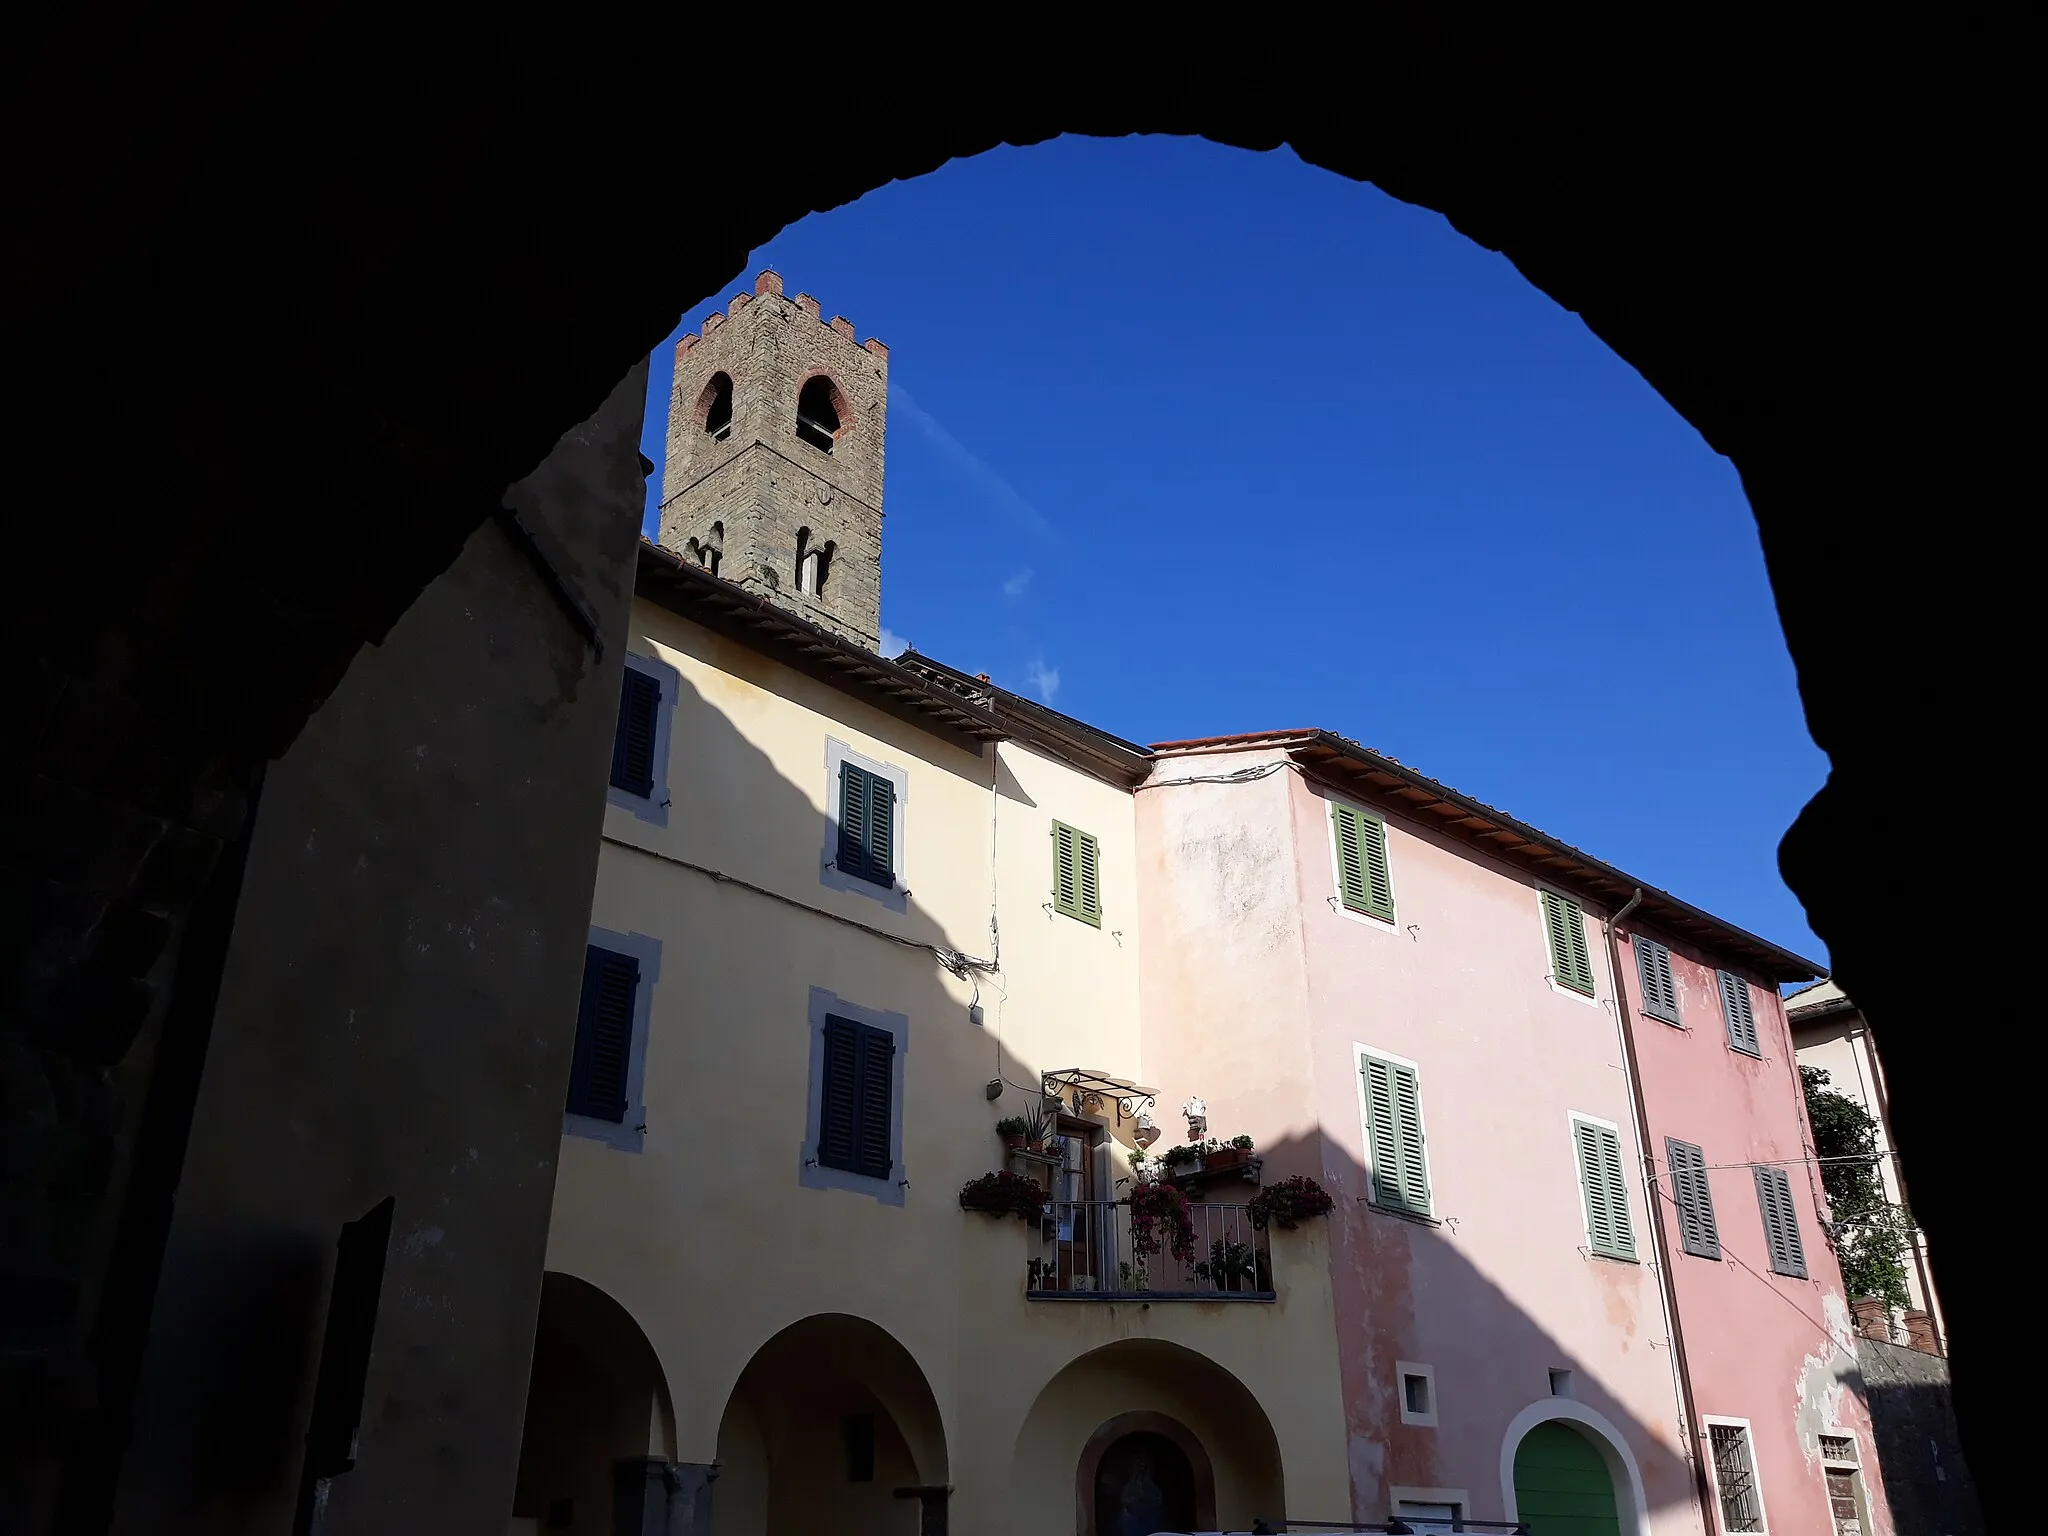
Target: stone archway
1168,1402
1188,1490
1598,1434
600,1428
831,1426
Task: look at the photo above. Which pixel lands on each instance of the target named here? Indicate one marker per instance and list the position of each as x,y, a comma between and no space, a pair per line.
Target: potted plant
1160,1219
1004,1194
1227,1155
1037,1129
1013,1129
1180,1159
1142,1169
1288,1203
1230,1266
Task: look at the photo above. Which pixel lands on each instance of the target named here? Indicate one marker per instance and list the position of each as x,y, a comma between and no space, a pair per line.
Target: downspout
1666,1285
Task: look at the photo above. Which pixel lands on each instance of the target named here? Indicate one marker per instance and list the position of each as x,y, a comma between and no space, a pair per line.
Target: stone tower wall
761,483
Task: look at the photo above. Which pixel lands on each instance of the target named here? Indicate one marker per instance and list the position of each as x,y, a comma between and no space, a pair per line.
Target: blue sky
1188,441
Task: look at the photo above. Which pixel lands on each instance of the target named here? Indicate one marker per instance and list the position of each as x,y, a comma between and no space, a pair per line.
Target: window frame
1361,1054
1756,1476
813,1174
1386,922
896,896
629,1133
1403,1369
1557,984
652,807
1576,1119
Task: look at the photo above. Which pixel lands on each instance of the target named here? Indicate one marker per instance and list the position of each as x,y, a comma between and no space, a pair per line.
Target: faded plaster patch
1368,1462
1824,1378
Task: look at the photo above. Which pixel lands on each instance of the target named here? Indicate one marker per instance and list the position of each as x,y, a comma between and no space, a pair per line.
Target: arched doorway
826,1429
1143,1430
1562,1486
599,1426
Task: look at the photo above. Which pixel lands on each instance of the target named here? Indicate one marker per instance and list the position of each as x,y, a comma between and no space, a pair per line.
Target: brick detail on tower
787,509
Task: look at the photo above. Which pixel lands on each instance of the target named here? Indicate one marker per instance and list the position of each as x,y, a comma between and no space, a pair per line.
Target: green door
1561,1484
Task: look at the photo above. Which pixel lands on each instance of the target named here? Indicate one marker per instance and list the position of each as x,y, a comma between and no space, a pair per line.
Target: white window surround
1573,1119
1359,1055
1403,1369
1335,895
1457,1499
1756,1471
1595,952
1630,1503
1853,1459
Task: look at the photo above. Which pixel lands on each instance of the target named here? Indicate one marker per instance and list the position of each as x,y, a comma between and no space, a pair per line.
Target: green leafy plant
1230,1266
1160,1218
1870,1233
1004,1194
1242,1143
1289,1203
1013,1125
1132,1277
1182,1156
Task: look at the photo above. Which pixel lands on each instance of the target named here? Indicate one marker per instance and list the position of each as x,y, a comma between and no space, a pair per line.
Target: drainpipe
1667,1293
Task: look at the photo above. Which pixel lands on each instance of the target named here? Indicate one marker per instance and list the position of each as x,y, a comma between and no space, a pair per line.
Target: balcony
1082,1252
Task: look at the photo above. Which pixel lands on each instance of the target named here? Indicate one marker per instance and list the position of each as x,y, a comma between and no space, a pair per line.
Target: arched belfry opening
813,563
817,412
714,407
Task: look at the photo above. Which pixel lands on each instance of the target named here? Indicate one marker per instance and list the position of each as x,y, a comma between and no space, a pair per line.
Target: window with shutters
1571,963
1358,847
1076,874
1739,1012
864,832
1692,1199
1609,1231
857,1101
647,694
1735,1481
619,972
1781,1223
1659,986
854,1131
1394,1143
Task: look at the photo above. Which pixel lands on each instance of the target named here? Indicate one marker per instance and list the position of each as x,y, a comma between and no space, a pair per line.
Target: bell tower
774,473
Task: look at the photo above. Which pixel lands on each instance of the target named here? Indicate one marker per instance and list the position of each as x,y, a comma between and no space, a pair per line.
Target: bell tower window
817,413
714,407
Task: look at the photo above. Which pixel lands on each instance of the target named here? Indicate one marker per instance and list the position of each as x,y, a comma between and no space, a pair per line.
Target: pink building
1410,996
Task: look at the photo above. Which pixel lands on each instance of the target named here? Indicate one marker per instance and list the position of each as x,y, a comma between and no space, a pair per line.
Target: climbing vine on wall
1870,1232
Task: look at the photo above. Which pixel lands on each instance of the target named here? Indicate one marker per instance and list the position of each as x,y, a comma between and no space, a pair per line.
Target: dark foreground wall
395,1017
1914,1421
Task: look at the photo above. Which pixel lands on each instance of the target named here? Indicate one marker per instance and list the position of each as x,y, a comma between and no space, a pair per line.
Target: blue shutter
839,1096
633,738
1660,987
604,1035
1740,1014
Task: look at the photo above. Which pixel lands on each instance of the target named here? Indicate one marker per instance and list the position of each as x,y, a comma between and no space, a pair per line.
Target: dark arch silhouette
1122,1432
310,196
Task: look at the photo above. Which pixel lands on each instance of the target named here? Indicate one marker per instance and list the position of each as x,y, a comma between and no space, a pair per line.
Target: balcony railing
1082,1252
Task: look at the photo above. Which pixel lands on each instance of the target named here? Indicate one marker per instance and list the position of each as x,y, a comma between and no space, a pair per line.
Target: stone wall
1919,1452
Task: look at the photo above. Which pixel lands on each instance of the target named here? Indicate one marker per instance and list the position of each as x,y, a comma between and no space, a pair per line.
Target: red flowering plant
1160,1218
1004,1194
1289,1202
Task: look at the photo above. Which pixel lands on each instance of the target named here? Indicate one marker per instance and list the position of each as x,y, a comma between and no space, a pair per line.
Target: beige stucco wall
707,1237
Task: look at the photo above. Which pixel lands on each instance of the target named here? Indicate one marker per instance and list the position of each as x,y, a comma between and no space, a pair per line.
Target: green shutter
1781,1223
1363,883
1393,1121
1570,962
1693,1199
1608,1230
867,826
1660,988
1740,1014
1076,874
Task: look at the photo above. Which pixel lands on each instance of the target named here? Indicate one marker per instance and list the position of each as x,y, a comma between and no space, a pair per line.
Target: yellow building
849,914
